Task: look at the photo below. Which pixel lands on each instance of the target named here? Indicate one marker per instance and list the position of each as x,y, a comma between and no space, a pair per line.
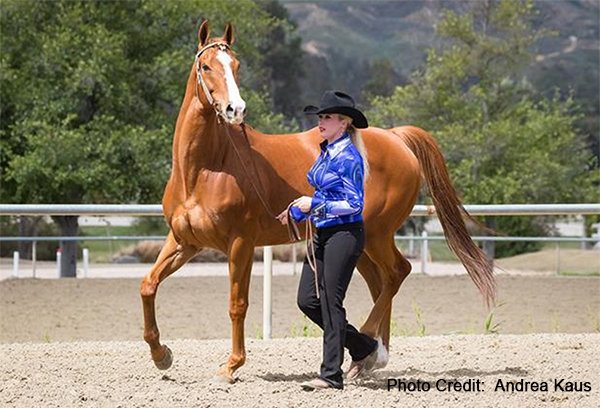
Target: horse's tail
449,208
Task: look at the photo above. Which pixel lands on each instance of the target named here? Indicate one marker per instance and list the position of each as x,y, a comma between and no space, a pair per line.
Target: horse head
216,73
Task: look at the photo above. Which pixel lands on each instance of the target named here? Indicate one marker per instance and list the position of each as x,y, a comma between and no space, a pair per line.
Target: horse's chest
199,226
205,217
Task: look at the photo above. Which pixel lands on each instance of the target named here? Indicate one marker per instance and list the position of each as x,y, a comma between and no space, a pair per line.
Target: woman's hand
303,203
283,217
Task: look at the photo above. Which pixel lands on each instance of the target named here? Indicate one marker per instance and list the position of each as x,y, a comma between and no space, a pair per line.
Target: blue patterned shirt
337,177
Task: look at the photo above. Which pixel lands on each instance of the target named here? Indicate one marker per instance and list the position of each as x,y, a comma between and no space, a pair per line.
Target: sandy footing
121,374
43,310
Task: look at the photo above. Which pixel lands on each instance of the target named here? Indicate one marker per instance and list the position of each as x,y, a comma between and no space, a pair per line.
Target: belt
339,227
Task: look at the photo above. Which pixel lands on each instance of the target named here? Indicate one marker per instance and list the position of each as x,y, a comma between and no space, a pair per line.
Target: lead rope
294,234
311,261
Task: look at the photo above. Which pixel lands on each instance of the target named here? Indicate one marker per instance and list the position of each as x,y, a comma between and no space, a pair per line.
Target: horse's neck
197,144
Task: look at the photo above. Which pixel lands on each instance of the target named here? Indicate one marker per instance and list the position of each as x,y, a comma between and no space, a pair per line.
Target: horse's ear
203,33
229,37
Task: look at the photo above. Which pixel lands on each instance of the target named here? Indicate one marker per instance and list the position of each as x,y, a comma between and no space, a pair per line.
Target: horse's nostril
244,111
229,109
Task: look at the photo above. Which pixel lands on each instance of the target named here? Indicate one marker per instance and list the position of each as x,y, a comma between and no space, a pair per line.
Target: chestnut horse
229,182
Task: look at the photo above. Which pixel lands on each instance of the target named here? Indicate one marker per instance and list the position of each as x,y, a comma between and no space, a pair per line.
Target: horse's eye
205,67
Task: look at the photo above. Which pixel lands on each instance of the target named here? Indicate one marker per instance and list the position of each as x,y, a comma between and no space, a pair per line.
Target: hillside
340,38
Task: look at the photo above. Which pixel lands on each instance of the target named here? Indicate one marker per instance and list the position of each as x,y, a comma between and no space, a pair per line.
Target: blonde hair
358,142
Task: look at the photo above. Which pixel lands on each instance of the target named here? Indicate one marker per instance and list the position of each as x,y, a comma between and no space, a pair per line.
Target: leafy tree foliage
382,78
90,93
282,54
503,143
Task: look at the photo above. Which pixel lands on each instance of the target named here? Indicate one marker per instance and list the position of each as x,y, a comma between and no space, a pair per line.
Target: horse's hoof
165,362
222,379
383,355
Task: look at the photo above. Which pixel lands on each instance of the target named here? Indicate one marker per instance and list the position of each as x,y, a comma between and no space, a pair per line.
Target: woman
336,211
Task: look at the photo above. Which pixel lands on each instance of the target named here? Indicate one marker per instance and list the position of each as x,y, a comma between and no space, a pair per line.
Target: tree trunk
69,226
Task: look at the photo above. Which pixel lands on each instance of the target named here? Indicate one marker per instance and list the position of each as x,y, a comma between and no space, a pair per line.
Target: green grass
491,327
555,322
420,324
438,250
570,273
257,331
309,329
562,245
103,251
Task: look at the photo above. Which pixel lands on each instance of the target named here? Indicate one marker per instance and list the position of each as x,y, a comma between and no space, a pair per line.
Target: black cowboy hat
339,102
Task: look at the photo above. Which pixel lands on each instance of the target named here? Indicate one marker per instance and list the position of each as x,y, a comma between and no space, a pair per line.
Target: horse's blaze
235,101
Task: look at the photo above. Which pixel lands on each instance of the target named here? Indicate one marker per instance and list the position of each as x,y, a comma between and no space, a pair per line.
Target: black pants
337,249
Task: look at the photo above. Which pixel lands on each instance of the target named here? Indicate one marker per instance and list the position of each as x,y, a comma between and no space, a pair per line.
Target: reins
293,230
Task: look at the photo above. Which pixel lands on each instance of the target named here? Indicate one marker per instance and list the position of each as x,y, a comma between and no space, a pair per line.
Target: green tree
90,92
503,143
282,53
382,78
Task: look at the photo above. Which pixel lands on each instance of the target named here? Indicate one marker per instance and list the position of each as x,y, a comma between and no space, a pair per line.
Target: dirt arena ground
51,310
120,374
77,342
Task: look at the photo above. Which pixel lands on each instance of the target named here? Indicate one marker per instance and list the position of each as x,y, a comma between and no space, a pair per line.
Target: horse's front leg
172,257
241,254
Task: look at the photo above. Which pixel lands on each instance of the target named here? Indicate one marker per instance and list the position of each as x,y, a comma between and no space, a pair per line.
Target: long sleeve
297,214
337,177
352,200
300,216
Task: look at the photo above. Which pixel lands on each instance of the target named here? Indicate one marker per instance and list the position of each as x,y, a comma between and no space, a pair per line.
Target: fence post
15,272
86,262
558,258
424,250
267,305
58,256
34,257
411,245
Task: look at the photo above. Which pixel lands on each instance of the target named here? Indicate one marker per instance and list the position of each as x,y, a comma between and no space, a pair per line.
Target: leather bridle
223,47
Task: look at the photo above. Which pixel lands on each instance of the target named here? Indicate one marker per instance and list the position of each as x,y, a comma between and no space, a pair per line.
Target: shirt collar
337,146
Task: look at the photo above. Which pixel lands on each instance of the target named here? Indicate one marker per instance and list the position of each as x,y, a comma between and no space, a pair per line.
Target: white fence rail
418,210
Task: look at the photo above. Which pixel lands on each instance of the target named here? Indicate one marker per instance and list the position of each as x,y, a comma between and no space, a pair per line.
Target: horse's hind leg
393,269
172,257
371,273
